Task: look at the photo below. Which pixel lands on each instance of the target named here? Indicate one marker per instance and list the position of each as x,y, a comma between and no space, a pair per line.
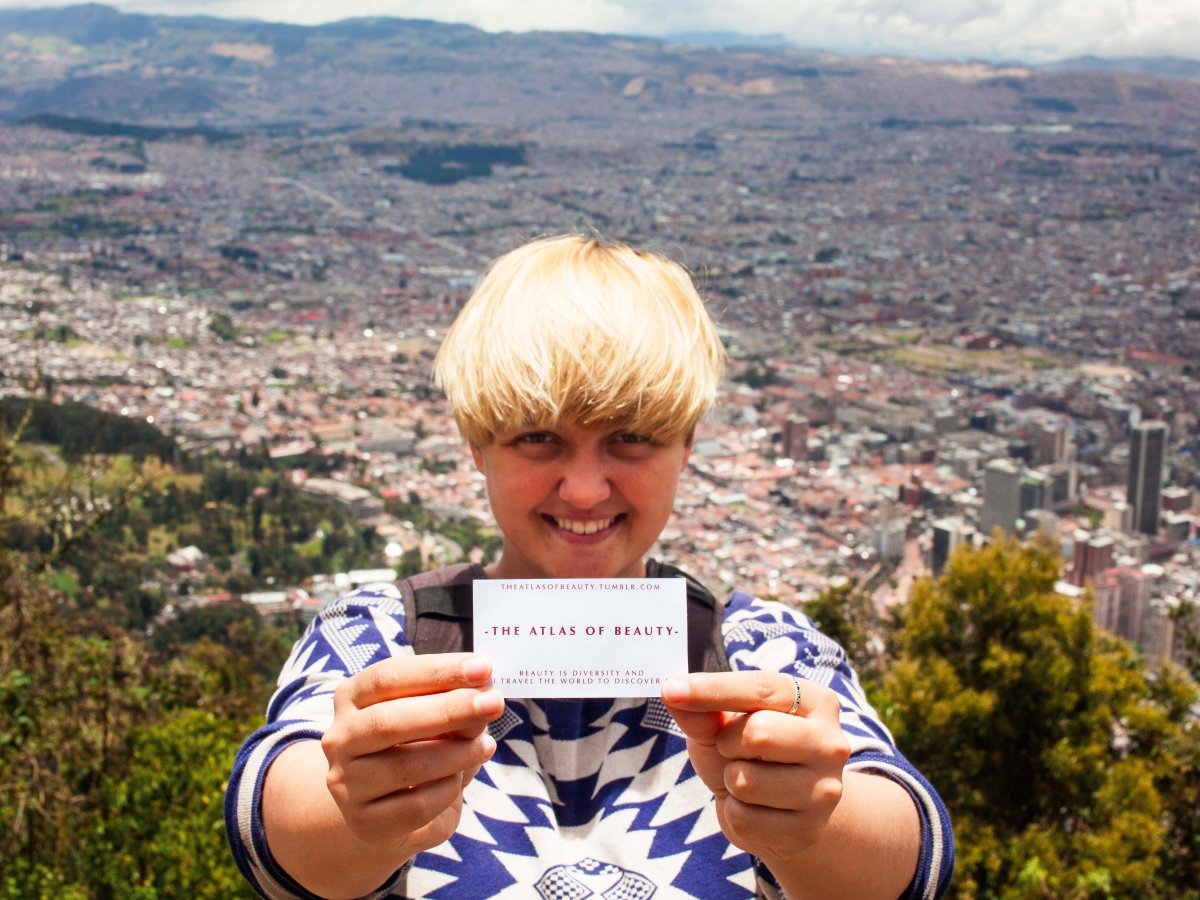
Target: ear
477,456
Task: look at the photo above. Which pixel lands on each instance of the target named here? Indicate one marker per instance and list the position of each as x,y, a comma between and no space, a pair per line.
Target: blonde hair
578,330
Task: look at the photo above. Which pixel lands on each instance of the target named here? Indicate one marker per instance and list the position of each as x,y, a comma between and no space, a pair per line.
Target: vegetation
451,163
76,125
114,753
1069,770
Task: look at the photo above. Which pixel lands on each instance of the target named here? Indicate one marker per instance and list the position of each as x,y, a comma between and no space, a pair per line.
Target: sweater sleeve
772,636
349,635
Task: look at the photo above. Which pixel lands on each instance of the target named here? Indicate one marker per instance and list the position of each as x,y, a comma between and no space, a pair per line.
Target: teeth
591,526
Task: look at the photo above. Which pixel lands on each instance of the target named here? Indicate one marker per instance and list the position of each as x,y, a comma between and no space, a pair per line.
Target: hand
408,735
777,777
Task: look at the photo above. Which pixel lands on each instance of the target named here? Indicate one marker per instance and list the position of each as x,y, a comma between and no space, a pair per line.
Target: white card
576,637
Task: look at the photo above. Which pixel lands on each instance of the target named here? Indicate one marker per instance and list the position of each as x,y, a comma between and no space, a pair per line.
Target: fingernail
488,743
488,703
476,669
675,690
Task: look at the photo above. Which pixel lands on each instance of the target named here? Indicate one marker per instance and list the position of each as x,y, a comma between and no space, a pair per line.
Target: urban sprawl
934,332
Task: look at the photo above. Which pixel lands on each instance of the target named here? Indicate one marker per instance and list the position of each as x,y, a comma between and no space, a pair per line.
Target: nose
584,483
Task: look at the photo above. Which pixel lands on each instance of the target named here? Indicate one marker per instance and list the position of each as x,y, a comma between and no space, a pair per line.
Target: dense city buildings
971,309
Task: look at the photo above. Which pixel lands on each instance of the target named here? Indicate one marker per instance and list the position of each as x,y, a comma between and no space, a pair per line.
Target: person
577,373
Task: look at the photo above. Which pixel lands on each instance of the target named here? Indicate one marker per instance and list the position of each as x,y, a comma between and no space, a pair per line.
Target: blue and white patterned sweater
583,798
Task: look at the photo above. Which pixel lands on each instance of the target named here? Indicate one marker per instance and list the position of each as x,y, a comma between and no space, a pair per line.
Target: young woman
577,373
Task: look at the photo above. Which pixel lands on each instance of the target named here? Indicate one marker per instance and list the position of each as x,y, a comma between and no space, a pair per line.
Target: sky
1033,31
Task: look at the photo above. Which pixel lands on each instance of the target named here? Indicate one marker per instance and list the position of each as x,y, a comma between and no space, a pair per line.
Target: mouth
584,527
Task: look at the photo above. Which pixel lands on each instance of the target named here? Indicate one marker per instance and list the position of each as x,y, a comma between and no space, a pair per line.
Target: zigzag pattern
583,798
584,774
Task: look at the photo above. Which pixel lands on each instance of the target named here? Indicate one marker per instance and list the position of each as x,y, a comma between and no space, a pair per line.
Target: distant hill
92,62
727,39
1157,67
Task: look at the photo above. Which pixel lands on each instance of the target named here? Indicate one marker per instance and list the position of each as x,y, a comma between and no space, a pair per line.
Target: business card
576,637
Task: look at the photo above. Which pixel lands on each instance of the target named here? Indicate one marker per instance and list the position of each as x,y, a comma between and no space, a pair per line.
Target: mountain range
94,62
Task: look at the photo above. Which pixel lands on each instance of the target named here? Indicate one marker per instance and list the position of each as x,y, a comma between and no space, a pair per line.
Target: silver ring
795,703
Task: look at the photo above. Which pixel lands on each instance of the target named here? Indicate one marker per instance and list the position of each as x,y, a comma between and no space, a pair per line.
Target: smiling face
578,502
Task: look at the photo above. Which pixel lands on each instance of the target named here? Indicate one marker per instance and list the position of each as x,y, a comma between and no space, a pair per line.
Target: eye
534,437
534,444
631,437
632,444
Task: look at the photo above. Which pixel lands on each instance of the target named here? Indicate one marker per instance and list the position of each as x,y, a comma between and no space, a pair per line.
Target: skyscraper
1147,449
1093,554
1001,496
948,534
1051,441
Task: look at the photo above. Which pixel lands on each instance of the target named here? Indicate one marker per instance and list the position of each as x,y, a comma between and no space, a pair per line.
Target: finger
406,766
749,691
700,725
780,786
382,725
438,831
770,833
412,676
470,732
817,741
406,811
709,765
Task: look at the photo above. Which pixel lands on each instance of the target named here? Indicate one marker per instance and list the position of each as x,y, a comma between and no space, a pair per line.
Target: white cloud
1032,30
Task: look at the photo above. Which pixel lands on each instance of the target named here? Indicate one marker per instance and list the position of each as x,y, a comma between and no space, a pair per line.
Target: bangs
574,330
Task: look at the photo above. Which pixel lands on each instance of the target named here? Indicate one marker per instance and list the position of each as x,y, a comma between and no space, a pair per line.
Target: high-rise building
1063,485
1093,554
1106,590
1001,496
1159,632
1136,586
1147,450
948,534
1050,441
1035,491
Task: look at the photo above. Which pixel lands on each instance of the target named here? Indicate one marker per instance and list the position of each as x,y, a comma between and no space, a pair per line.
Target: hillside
93,61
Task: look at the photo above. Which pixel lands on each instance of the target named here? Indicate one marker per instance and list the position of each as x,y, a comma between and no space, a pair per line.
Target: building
795,438
357,501
1035,491
948,535
1093,554
1177,527
1135,592
1001,496
1050,442
1147,451
890,536
1159,636
1176,499
1063,485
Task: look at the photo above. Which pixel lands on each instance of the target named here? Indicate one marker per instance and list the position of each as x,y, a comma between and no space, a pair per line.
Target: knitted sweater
582,798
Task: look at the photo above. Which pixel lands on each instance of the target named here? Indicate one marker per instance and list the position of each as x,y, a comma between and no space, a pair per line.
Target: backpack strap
438,609
705,614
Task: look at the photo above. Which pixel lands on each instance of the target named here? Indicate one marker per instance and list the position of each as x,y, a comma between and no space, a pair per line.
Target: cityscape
942,319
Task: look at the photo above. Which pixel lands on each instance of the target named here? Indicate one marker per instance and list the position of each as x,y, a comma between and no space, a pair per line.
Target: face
578,502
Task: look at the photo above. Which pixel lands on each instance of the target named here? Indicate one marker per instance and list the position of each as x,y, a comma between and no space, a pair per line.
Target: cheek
659,489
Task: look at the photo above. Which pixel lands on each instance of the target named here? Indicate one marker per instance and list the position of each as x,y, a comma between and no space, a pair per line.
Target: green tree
112,758
847,616
1044,736
164,835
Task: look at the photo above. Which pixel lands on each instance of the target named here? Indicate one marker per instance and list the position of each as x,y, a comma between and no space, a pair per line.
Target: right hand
408,734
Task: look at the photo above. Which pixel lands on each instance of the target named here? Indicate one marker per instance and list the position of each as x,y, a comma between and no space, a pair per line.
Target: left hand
777,777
